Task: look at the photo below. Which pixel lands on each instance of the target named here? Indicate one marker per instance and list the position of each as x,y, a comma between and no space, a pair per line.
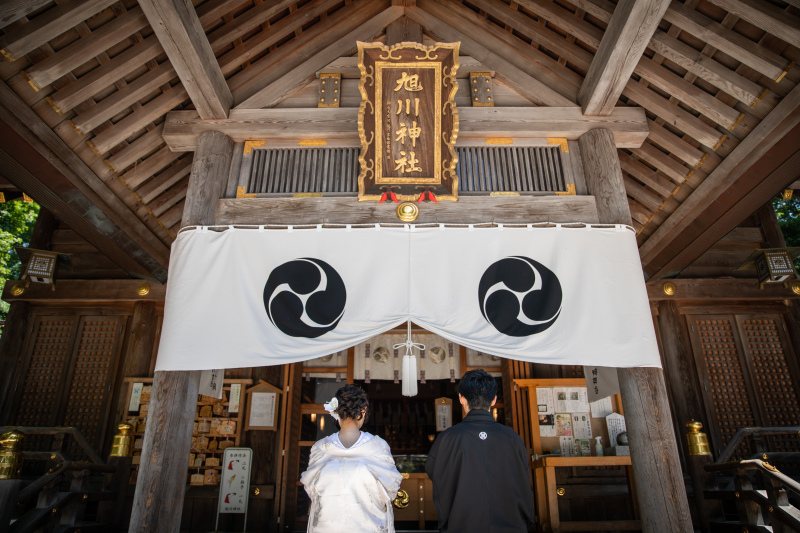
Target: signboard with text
408,121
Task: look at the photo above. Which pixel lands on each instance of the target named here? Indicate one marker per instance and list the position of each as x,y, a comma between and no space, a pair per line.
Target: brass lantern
11,456
773,265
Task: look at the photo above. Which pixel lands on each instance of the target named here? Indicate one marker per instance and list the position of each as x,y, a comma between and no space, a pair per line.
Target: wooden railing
59,497
747,495
757,507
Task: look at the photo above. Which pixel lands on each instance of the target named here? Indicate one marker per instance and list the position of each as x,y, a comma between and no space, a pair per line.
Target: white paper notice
262,409
236,394
578,400
136,396
602,408
601,381
547,425
616,425
562,400
211,383
581,426
444,417
567,446
234,485
544,399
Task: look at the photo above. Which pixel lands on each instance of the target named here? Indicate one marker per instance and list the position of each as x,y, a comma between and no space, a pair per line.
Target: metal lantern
40,265
773,265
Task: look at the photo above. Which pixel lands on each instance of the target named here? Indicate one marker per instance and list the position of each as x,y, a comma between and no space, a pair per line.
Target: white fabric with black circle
253,297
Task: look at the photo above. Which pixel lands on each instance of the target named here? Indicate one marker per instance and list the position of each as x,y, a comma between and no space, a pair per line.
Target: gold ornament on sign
143,289
796,287
407,211
17,289
670,289
560,491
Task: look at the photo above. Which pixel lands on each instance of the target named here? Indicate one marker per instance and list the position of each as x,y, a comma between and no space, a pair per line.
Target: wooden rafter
13,10
85,48
26,37
766,16
180,32
629,31
783,119
497,54
304,72
29,127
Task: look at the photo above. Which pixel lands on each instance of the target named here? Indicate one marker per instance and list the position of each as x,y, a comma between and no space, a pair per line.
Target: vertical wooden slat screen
721,368
766,348
334,171
91,382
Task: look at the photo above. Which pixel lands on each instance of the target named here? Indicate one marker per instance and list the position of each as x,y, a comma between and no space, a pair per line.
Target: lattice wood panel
92,375
716,346
766,348
49,359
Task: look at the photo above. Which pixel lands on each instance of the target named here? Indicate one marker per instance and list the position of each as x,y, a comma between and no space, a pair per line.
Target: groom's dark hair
479,389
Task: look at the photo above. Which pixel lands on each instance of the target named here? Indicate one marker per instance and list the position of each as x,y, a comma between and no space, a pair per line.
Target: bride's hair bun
352,400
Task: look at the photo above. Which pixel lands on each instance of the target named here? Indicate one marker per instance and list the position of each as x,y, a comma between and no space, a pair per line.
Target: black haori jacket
481,480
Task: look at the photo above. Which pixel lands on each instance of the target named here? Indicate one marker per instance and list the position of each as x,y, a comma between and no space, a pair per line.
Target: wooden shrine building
128,120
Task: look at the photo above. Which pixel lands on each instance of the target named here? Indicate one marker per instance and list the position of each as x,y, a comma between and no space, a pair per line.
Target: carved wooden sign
408,121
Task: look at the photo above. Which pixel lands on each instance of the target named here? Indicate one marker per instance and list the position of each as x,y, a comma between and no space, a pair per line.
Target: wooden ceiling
92,82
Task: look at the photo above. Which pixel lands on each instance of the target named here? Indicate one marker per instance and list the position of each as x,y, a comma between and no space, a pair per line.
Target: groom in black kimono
479,468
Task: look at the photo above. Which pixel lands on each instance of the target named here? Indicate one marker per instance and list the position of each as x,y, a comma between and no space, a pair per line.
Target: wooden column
656,467
162,479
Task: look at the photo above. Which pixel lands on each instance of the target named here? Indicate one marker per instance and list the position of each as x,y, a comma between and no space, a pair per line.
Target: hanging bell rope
409,363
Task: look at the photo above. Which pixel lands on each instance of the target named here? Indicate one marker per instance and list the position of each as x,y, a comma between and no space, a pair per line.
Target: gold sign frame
374,132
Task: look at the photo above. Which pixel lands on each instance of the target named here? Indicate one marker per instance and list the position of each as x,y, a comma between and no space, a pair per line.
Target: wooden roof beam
732,43
507,71
628,124
765,16
178,28
632,25
52,23
725,182
13,10
305,71
117,226
76,54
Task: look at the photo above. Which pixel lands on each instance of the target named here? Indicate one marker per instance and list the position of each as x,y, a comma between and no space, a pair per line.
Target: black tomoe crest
519,296
305,298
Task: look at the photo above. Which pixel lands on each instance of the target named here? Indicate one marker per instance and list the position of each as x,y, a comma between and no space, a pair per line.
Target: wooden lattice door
742,361
48,351
91,377
69,376
768,353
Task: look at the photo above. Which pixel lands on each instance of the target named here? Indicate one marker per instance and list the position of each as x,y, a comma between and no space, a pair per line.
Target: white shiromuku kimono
351,489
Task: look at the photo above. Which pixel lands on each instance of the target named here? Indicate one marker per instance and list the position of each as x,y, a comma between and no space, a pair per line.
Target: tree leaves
16,226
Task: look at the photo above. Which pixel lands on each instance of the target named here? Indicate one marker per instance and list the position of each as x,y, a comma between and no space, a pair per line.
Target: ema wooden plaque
408,121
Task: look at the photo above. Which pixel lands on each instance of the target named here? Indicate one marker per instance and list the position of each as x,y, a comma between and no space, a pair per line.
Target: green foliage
788,214
16,226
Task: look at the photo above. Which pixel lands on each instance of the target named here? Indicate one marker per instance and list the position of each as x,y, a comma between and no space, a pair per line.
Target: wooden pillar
161,484
656,467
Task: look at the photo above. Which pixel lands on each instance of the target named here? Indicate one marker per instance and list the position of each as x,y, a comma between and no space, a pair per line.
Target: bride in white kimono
351,477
